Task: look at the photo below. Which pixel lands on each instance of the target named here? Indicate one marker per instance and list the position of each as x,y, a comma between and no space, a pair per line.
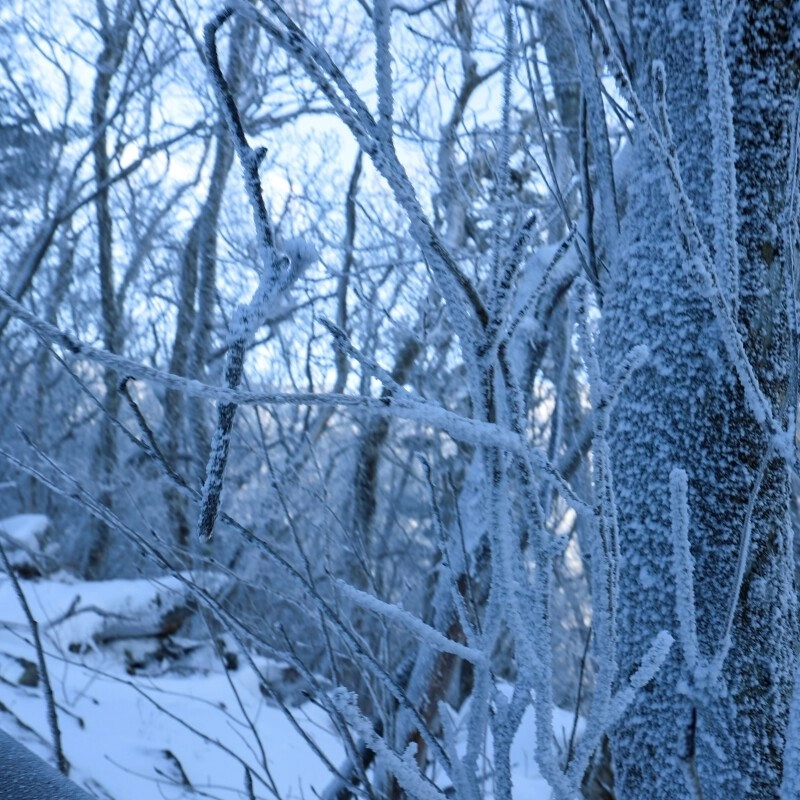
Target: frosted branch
381,23
278,272
607,707
723,147
743,555
423,632
456,563
598,131
52,715
547,277
652,662
464,302
247,156
597,725
684,567
664,148
464,782
72,490
698,255
790,786
403,766
500,283
789,230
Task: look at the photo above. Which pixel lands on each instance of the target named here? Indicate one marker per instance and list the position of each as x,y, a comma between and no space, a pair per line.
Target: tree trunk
189,352
695,731
114,35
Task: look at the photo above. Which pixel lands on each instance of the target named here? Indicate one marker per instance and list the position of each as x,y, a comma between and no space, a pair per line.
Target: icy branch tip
678,479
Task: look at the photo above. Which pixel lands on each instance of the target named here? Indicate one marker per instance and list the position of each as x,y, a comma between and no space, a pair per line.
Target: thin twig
52,715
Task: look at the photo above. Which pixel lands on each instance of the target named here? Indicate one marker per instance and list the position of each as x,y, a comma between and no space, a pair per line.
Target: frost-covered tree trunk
705,285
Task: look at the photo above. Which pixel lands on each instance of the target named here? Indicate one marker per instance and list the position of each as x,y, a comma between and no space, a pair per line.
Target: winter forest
398,398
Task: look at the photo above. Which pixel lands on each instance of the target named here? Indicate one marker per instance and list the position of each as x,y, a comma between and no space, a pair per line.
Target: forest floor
164,717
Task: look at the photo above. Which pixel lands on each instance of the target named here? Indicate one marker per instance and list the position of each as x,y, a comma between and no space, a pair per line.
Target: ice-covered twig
697,254
658,136
723,144
652,661
381,23
278,271
598,131
743,557
399,616
546,277
605,555
465,781
52,716
403,405
465,305
402,765
344,345
597,726
72,490
455,563
501,274
789,229
790,785
684,568
248,157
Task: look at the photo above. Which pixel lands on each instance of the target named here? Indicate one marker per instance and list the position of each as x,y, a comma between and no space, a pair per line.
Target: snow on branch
279,270
381,22
684,567
598,131
402,765
500,277
745,539
463,772
598,724
698,254
249,158
465,305
788,227
652,662
402,405
539,280
52,715
423,632
790,786
723,146
67,486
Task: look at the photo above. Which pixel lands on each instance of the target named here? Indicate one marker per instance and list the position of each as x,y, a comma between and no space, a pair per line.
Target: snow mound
26,530
78,616
26,539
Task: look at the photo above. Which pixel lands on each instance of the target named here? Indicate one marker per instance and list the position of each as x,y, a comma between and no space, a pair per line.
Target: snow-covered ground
171,733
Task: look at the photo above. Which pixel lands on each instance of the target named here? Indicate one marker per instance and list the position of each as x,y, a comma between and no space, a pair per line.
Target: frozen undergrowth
173,728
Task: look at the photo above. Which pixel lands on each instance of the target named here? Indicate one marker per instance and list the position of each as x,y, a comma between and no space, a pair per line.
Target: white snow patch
28,530
197,733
